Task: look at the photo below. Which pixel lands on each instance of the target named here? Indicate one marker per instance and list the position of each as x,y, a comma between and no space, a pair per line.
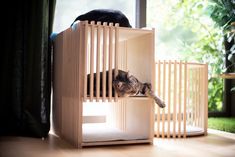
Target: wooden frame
93,48
184,87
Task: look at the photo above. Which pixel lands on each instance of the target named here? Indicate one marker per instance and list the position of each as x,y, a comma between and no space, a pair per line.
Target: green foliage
215,96
222,123
207,46
222,12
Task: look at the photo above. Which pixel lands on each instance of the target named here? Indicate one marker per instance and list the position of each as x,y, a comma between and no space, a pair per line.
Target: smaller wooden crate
184,87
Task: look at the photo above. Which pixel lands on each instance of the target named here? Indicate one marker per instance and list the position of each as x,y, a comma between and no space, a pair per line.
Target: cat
126,85
105,15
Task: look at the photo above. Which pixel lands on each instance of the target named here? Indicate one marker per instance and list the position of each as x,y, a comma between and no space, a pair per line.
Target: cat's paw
162,104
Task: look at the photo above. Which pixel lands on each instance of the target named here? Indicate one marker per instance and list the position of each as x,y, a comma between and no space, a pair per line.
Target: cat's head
125,84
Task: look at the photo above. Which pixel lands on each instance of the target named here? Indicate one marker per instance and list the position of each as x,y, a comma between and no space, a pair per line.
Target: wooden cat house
86,113
102,118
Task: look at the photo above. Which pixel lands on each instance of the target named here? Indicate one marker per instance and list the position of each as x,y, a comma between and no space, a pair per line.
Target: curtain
26,67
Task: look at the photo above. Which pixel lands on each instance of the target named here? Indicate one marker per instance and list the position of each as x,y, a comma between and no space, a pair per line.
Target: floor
215,144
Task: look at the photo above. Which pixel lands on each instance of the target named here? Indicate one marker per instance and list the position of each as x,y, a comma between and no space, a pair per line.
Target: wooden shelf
227,76
113,98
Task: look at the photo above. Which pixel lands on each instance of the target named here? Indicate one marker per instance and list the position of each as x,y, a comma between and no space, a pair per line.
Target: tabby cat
127,85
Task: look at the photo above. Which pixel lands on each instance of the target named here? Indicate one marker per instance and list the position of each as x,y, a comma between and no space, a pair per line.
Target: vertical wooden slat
76,38
174,101
199,96
81,84
98,61
163,91
185,96
104,60
121,116
116,54
124,106
194,98
195,95
205,94
191,105
190,97
85,59
92,62
110,60
58,84
64,110
118,107
159,90
179,88
169,100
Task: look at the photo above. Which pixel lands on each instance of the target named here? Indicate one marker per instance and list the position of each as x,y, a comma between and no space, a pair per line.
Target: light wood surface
216,144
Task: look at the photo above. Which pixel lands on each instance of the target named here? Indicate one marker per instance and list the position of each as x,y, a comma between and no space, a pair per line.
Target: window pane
67,10
158,11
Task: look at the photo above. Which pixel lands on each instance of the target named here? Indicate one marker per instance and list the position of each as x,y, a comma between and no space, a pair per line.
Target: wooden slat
110,60
189,98
85,59
190,106
205,94
124,117
159,91
92,62
169,100
76,47
185,96
104,60
116,54
81,84
193,97
98,61
163,96
179,98
201,100
199,96
174,101
58,83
